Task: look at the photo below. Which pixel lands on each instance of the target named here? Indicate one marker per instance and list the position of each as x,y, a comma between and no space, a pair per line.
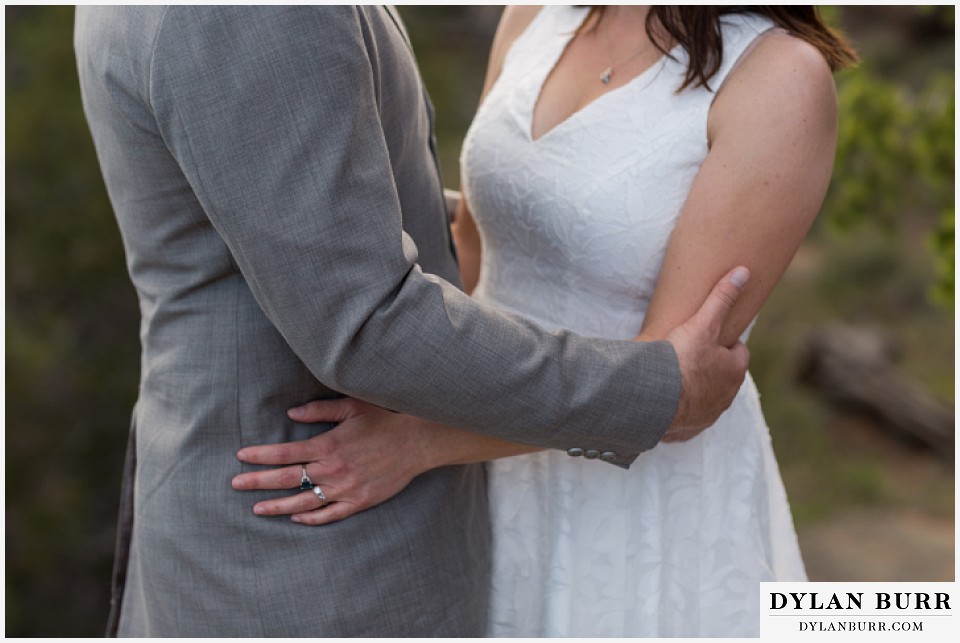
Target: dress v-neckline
538,93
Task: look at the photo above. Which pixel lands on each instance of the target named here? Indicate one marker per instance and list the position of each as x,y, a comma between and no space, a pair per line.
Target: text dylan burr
854,600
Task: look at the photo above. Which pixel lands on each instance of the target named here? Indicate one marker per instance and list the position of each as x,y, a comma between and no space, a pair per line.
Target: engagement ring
305,482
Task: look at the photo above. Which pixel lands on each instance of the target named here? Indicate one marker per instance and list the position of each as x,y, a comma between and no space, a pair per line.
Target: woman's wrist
440,446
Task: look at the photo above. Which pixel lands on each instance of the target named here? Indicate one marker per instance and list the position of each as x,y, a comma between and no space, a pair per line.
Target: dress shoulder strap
741,33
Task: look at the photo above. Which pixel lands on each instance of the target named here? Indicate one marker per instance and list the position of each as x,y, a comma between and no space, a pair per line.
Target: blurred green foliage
943,241
72,318
895,153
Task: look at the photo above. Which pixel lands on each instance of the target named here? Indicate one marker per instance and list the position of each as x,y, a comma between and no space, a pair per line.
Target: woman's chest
624,163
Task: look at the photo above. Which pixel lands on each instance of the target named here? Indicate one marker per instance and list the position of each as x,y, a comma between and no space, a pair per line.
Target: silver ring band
319,493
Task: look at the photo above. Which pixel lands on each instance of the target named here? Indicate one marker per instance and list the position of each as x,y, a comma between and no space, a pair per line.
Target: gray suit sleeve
275,125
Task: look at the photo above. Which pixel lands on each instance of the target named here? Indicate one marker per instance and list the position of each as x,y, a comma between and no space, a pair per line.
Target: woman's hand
371,456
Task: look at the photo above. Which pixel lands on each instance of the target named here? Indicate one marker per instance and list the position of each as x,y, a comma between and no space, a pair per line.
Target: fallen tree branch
853,369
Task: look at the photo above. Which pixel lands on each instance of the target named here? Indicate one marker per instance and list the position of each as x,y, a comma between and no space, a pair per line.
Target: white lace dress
574,227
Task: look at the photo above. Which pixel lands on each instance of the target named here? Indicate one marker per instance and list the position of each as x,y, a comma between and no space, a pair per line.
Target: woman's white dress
574,227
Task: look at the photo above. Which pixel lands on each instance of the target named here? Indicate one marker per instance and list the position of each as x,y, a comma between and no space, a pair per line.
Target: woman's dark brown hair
697,29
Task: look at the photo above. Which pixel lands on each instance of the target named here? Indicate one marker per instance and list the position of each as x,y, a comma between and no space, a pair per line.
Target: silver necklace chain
607,73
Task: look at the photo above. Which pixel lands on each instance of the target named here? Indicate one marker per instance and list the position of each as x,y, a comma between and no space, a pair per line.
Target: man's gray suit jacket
273,173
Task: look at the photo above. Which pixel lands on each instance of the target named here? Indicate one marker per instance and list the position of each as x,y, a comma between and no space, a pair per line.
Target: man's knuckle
727,293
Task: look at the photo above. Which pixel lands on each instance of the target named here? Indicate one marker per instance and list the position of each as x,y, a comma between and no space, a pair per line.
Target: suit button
591,454
575,451
608,456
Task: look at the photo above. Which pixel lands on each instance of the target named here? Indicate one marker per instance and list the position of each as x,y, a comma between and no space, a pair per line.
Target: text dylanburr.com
858,611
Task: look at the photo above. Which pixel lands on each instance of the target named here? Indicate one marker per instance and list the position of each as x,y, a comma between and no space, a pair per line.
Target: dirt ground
880,545
908,538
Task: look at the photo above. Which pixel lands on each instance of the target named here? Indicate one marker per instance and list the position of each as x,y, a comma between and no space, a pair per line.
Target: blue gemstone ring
306,484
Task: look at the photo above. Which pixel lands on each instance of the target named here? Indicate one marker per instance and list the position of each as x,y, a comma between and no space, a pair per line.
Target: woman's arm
369,457
772,134
469,249
373,454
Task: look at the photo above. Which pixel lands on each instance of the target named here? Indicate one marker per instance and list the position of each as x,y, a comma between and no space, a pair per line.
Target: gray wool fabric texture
274,177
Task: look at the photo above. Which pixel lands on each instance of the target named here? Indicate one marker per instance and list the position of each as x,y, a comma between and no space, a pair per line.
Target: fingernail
295,412
296,518
237,483
257,509
242,454
740,277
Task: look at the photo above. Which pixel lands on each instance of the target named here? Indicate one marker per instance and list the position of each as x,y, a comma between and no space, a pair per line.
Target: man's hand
711,374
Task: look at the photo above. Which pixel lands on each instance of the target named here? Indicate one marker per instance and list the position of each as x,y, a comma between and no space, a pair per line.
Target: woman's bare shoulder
785,55
513,22
779,61
782,75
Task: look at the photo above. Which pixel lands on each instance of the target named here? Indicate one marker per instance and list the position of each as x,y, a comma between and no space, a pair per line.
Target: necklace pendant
606,75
